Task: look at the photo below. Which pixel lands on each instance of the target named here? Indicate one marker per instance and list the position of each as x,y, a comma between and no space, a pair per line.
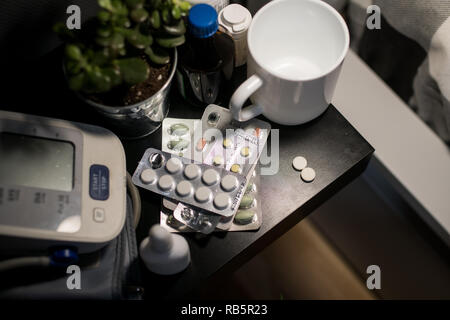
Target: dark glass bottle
206,59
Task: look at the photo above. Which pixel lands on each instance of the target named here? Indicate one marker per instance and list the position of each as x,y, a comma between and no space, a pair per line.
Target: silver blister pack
196,220
233,145
248,216
200,185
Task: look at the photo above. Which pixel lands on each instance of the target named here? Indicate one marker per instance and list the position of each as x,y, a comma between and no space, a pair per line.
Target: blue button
99,182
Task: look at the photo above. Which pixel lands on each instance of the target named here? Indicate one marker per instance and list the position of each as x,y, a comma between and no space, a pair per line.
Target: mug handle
245,90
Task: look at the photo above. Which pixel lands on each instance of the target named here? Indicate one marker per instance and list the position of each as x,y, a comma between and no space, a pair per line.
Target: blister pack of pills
200,185
226,143
177,136
248,216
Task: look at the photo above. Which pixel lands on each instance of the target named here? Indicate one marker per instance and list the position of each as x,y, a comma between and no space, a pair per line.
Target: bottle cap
235,18
202,21
160,239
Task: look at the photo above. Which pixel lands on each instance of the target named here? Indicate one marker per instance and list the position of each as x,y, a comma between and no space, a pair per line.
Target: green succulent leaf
100,57
170,42
157,55
165,15
103,42
103,16
117,41
96,82
119,7
73,52
73,67
134,3
185,6
76,81
133,70
113,74
175,30
138,40
104,32
105,4
176,12
155,19
123,21
139,15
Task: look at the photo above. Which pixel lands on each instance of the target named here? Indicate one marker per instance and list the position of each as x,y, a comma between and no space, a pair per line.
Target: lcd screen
36,162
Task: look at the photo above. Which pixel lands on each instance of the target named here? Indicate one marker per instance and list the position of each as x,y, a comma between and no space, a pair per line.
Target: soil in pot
124,96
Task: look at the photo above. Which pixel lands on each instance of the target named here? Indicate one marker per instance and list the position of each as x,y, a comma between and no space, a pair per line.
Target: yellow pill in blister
218,161
235,168
227,143
245,151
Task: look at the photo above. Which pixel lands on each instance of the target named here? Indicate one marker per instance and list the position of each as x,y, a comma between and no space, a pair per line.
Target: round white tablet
299,163
222,201
173,165
229,183
166,182
210,177
203,194
184,188
308,174
192,171
148,176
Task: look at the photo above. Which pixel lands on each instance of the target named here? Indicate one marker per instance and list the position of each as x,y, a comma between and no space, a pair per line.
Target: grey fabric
104,275
416,19
426,23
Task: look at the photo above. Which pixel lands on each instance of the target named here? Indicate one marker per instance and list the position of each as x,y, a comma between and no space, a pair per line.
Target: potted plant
122,62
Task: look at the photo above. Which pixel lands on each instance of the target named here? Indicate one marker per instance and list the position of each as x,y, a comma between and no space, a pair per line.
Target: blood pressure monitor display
60,182
36,162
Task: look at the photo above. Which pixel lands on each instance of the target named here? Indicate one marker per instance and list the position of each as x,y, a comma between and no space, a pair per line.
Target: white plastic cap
160,239
235,18
164,253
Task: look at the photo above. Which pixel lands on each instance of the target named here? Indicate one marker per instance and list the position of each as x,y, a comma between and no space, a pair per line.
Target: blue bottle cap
203,21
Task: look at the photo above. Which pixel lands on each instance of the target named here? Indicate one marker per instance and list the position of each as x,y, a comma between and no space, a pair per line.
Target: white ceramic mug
295,52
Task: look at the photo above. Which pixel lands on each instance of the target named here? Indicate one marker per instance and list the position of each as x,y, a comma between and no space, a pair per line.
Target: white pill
184,188
173,165
222,201
229,183
192,171
299,163
166,182
210,177
308,174
148,176
203,194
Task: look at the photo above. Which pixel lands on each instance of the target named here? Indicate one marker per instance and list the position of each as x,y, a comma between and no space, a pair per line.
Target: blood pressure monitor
61,183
